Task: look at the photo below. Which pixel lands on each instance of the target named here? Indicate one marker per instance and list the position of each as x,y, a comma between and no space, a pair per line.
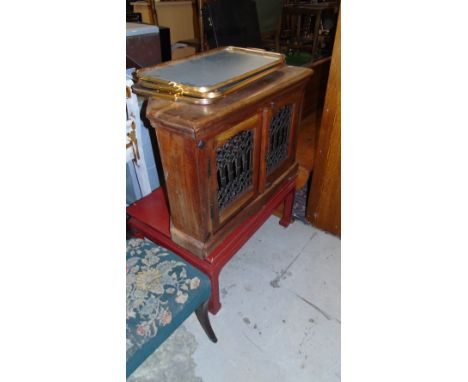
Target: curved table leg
202,315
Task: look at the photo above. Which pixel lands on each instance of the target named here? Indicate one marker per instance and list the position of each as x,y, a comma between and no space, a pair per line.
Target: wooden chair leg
202,315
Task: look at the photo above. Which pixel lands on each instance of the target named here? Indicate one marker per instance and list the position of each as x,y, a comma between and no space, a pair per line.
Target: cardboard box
178,16
182,52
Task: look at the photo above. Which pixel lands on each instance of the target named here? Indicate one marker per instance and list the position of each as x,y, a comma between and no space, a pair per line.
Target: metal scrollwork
234,167
278,144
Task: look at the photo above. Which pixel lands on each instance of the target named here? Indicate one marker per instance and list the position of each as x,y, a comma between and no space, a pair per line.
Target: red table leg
215,304
288,208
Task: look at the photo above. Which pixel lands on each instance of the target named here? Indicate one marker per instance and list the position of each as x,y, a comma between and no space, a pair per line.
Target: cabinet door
279,137
236,154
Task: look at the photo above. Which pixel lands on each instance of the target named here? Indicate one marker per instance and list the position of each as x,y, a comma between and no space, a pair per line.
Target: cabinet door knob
201,144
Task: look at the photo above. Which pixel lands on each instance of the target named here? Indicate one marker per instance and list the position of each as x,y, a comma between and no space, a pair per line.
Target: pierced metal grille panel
278,144
234,167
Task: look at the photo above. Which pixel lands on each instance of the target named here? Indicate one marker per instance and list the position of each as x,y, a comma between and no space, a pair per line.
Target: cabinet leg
288,208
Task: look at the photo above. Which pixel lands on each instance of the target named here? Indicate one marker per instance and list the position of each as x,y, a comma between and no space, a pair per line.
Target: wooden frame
252,123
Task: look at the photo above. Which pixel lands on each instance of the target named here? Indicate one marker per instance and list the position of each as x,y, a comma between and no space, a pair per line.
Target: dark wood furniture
223,161
307,26
228,22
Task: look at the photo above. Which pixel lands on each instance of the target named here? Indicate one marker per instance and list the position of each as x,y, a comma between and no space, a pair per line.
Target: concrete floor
280,315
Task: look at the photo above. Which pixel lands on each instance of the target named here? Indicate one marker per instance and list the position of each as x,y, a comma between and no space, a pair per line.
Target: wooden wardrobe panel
324,203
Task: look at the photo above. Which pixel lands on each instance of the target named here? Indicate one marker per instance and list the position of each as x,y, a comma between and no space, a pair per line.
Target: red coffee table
149,217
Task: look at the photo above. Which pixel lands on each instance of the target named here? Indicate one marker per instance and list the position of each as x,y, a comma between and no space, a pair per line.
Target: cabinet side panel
180,159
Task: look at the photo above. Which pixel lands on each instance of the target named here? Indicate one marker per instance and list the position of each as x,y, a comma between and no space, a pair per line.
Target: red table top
153,210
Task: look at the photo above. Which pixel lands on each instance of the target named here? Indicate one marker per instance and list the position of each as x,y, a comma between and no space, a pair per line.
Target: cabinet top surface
190,118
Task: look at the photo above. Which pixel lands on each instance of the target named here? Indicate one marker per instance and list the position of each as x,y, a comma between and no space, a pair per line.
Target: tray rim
174,95
175,90
204,91
139,90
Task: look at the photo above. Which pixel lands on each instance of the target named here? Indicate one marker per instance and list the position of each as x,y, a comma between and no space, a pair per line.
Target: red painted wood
162,239
288,207
152,210
150,217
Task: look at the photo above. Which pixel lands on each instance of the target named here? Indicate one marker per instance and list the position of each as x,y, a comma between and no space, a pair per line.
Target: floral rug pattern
157,288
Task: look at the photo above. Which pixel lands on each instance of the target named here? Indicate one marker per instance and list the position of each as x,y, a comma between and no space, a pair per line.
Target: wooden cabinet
223,161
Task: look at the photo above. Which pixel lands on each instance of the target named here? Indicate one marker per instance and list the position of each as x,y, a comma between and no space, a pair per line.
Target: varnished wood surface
324,205
188,136
316,88
199,119
307,141
181,169
253,123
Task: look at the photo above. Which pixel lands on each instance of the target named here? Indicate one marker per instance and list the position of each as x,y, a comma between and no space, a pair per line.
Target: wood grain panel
324,206
188,136
181,165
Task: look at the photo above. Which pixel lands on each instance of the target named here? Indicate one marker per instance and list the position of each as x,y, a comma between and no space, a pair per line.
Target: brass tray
209,75
171,96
